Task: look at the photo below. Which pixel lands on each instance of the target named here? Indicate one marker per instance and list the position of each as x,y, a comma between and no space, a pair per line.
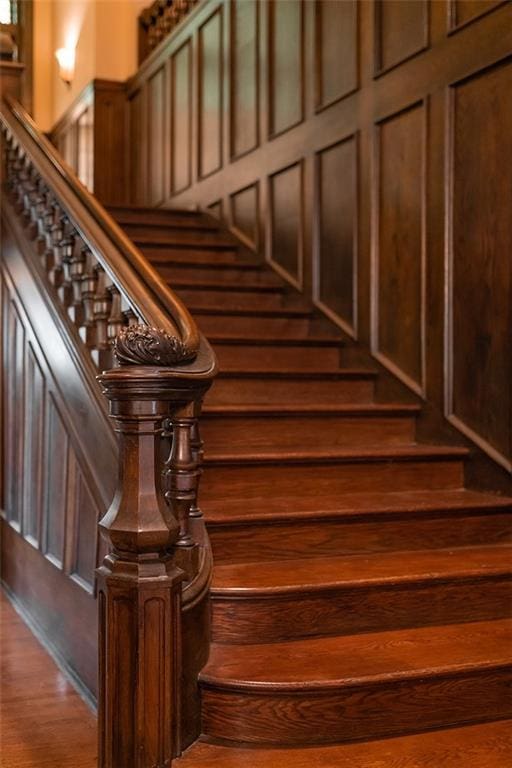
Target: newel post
140,581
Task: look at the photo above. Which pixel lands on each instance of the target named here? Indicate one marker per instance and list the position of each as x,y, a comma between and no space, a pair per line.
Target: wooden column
140,581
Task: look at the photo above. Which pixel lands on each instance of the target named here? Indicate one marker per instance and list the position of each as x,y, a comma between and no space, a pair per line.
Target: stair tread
298,373
487,745
271,577
255,312
196,257
287,409
351,660
217,337
300,454
355,505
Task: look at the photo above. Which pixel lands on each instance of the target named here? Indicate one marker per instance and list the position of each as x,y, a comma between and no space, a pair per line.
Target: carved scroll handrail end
145,345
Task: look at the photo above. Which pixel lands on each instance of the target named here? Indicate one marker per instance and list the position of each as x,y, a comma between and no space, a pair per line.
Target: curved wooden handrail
154,301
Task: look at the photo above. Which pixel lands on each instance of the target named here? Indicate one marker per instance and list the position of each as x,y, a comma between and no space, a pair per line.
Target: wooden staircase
360,590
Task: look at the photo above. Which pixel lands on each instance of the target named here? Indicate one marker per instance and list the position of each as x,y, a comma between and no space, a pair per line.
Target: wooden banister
155,368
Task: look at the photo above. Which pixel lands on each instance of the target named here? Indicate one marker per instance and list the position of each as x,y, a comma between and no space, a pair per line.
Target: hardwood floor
360,589
43,721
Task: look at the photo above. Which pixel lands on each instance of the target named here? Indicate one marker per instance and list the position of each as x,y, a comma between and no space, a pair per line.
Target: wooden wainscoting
55,459
365,147
91,137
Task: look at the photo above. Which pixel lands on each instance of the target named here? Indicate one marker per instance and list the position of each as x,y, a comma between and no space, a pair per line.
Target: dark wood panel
244,111
85,147
210,94
336,54
398,269
464,11
156,116
286,65
216,209
86,515
337,231
14,361
34,448
401,31
286,222
480,347
138,165
245,214
181,119
56,460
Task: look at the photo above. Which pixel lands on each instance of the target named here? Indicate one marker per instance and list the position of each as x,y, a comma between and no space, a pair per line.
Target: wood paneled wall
55,456
366,148
91,137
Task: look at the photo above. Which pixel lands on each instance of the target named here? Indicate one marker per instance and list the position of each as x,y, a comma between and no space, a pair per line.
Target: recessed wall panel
244,76
56,477
336,50
156,116
181,117
337,228
481,270
245,213
286,99
401,30
210,94
286,220
399,244
34,447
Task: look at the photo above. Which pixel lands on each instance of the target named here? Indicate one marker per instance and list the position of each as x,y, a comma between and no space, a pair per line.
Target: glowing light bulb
66,59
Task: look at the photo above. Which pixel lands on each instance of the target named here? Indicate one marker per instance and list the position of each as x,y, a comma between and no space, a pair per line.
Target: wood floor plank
43,721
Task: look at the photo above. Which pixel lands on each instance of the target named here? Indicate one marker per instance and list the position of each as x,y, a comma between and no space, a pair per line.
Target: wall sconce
66,59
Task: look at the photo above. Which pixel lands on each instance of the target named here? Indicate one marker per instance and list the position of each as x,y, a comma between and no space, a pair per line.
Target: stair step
216,300
339,689
255,313
245,476
184,239
275,355
213,274
261,528
486,745
271,386
155,217
287,600
285,425
197,258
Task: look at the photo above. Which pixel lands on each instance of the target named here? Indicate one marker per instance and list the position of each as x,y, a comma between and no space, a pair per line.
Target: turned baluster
130,318
67,250
48,222
116,319
57,236
140,582
101,308
197,446
37,209
76,273
88,288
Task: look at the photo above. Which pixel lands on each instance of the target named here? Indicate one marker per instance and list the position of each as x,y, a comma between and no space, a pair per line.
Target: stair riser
179,257
219,300
288,431
226,275
346,611
264,391
164,218
275,358
362,712
177,236
246,481
254,325
295,539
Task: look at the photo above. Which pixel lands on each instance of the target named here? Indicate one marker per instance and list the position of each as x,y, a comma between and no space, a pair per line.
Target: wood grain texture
337,49
480,341
399,256
245,214
245,77
156,130
181,119
33,716
402,30
286,205
337,213
285,61
474,746
211,97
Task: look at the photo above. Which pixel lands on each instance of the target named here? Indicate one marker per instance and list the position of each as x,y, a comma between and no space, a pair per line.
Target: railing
158,20
159,564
